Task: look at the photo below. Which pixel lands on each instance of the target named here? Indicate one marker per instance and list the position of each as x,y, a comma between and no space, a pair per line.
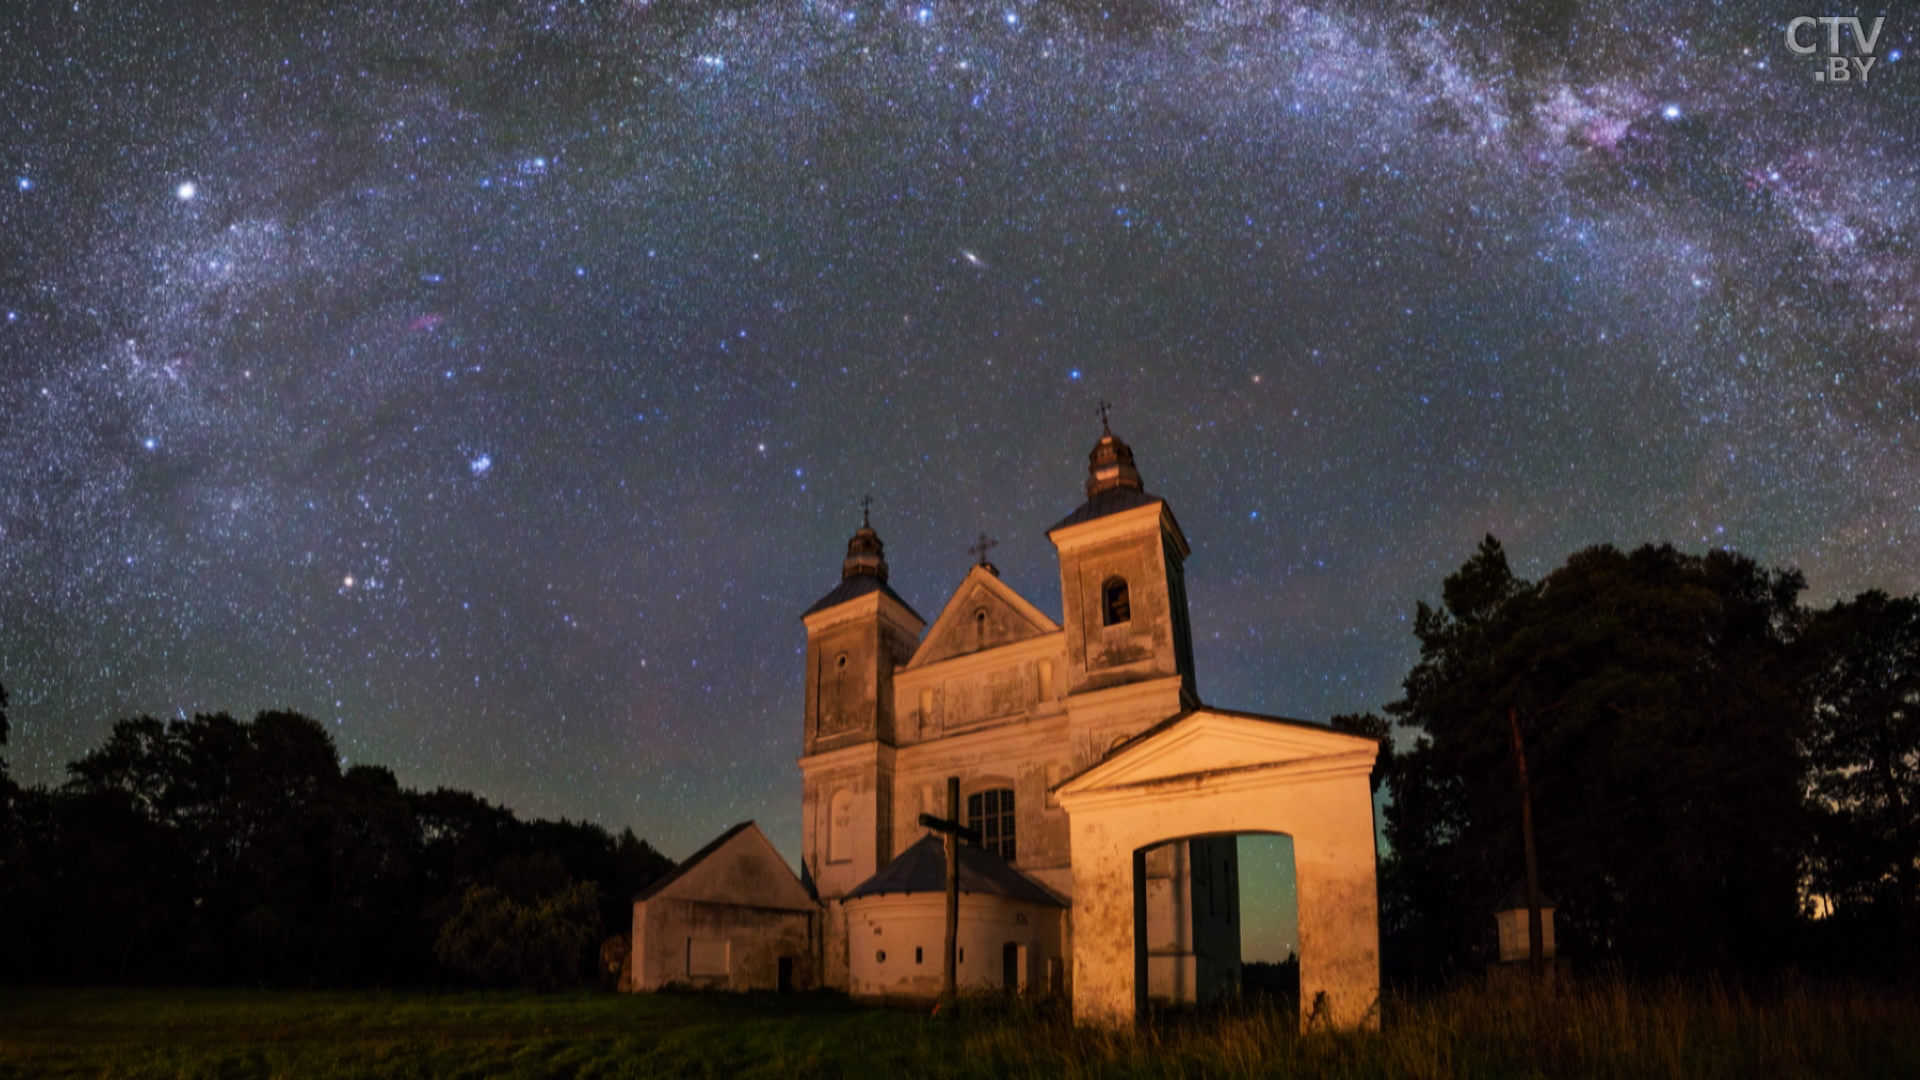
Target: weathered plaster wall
895,926
1127,545
757,939
1331,822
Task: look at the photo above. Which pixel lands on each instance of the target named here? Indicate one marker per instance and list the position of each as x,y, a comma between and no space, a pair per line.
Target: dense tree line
1722,779
216,850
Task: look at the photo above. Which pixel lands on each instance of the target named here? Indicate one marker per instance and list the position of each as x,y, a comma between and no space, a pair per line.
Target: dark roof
692,861
1517,898
922,868
1112,501
855,587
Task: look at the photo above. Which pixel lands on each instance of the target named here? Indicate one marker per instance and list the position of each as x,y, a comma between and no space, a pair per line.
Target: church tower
1123,592
856,635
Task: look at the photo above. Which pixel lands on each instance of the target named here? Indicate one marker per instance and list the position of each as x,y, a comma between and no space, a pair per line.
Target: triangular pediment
740,867
983,613
1207,741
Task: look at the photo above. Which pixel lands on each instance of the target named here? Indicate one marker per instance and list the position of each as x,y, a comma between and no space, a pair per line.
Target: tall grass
1595,1029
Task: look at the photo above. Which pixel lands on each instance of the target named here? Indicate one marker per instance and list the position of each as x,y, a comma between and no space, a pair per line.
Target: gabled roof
855,587
922,868
1206,740
950,633
741,866
1517,898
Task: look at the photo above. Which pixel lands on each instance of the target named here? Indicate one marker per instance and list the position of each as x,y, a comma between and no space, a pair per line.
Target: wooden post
1536,930
950,987
955,832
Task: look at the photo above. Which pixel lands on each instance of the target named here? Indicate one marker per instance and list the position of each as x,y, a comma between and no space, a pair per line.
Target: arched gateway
1210,772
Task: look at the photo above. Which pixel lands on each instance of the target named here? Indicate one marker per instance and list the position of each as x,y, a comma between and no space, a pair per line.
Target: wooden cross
982,546
866,504
1104,406
955,832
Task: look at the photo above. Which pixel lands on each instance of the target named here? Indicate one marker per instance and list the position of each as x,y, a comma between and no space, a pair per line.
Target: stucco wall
757,939
898,925
1331,822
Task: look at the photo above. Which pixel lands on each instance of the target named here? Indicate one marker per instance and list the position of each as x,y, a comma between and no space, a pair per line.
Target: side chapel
1107,797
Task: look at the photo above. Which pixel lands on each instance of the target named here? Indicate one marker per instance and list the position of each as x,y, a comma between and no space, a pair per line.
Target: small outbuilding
1009,934
733,916
1515,943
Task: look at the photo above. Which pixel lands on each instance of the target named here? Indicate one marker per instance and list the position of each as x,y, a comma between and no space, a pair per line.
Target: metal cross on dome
1104,427
866,504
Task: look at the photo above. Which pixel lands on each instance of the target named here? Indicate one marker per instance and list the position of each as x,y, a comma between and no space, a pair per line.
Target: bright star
1671,112
186,191
972,259
481,465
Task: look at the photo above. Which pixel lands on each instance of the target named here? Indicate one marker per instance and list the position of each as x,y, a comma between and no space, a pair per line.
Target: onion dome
865,553
863,572
1110,466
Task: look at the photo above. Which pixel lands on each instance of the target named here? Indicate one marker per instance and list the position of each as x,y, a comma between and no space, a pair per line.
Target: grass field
1601,1030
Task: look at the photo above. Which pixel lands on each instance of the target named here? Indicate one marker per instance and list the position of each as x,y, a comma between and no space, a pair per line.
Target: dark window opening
916,954
991,812
1115,608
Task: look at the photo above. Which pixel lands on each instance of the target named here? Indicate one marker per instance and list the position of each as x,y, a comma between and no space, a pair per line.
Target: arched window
840,827
1115,607
991,812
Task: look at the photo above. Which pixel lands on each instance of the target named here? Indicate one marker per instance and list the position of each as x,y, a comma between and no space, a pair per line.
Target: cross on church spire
1105,429
980,548
866,504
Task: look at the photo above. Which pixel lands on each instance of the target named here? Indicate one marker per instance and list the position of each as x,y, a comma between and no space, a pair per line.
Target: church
1105,797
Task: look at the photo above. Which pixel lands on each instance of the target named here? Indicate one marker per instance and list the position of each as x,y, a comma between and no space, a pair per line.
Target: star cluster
497,380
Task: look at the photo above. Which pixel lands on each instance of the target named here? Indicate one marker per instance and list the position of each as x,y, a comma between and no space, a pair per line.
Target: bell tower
856,635
1123,582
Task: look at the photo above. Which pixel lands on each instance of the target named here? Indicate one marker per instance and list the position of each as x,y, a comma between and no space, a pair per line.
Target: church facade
1025,711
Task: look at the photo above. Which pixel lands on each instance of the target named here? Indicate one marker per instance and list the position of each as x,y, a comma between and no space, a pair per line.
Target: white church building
1106,795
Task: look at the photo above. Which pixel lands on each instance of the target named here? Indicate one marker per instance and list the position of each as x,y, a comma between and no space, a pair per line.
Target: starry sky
497,381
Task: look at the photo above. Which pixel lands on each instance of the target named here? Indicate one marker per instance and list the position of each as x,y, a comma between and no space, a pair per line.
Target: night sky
498,382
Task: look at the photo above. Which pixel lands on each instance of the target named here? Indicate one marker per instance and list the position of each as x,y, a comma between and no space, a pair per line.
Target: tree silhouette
1662,714
1863,754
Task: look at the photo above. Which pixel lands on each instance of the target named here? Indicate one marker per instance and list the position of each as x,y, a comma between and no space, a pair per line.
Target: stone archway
1208,771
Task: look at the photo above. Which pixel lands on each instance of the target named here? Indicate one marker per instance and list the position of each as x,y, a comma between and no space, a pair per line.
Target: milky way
497,382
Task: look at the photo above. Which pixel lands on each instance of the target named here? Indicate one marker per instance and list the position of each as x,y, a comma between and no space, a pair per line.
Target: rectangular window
708,957
991,812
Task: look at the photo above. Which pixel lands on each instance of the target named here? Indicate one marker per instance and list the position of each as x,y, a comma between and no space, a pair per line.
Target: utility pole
1536,929
955,832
